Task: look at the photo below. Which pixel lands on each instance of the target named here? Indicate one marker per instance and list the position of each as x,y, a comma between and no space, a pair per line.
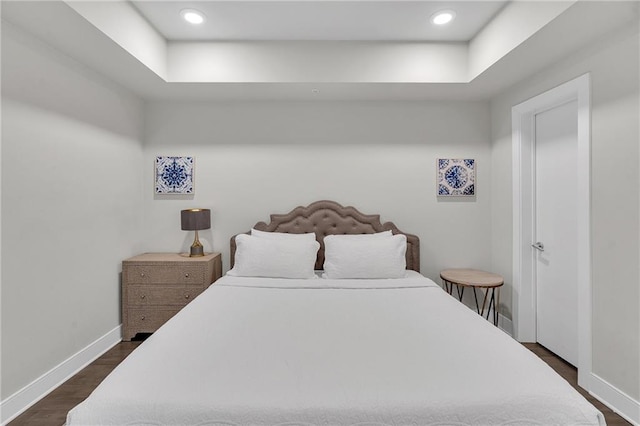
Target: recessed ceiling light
443,17
192,16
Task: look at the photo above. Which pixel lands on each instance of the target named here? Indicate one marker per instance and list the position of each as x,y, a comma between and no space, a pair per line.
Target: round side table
474,278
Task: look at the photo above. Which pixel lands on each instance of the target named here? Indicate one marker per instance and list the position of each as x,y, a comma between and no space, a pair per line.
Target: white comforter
331,352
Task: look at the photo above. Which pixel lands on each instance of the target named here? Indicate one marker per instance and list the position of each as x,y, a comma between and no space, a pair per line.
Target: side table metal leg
494,301
496,308
484,303
491,302
460,292
448,287
476,297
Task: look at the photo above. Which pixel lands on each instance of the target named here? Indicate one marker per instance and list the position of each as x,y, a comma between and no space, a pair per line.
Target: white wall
253,159
71,185
615,218
317,62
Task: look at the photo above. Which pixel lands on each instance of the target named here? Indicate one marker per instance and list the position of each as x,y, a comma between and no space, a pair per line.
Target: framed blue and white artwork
456,177
174,175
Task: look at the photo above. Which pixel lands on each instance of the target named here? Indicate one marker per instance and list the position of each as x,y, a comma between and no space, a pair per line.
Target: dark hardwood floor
570,374
52,410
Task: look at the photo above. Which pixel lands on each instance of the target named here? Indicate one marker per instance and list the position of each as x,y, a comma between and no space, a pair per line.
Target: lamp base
196,251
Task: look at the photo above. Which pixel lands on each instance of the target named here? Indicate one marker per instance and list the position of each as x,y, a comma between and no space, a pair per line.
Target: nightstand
474,278
155,286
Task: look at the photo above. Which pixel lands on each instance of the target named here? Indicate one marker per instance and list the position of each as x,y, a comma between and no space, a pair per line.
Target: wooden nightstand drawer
148,320
164,274
142,295
157,285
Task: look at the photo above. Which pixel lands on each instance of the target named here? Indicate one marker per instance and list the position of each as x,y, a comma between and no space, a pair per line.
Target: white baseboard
614,398
505,324
20,401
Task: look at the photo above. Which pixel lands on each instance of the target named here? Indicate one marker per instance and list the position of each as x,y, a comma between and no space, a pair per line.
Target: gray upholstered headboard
327,218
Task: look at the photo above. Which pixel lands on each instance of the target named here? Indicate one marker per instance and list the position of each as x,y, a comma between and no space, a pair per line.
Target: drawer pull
142,318
186,275
186,296
143,296
142,274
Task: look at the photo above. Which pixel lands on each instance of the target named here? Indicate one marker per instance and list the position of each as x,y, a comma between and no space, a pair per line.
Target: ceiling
320,20
317,50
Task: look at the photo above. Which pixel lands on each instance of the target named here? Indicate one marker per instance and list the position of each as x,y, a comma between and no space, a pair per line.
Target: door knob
538,246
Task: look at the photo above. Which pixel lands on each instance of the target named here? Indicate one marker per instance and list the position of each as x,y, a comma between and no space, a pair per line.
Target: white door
556,266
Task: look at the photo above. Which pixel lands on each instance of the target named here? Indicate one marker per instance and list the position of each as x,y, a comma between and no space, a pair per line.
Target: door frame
523,141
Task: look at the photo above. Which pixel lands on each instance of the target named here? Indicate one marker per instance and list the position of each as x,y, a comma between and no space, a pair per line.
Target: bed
331,351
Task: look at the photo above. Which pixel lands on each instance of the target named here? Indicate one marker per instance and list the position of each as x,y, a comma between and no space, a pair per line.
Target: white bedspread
331,352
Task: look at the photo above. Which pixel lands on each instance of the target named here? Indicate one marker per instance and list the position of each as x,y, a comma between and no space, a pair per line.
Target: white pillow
349,257
283,235
274,258
383,234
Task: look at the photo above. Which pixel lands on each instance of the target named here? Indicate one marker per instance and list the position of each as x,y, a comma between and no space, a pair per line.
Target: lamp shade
195,219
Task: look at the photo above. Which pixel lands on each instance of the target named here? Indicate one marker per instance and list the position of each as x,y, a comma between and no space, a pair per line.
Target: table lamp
194,220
